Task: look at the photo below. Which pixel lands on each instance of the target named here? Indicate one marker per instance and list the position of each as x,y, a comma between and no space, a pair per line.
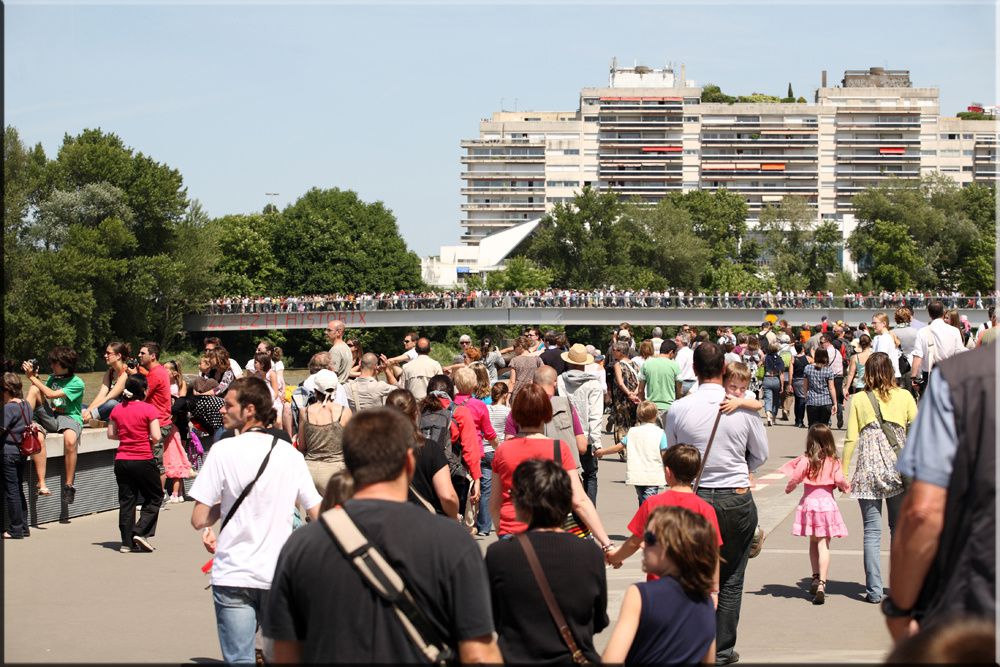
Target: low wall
96,488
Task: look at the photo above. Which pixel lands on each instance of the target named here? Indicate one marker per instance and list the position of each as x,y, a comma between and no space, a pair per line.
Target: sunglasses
649,539
464,342
407,340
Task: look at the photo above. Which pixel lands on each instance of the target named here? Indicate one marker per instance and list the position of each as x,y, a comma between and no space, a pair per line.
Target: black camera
34,364
132,363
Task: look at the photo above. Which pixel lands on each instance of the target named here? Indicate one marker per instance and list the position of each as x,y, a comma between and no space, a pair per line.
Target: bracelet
608,547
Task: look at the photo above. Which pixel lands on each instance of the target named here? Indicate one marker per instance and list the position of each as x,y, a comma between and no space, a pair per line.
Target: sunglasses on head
649,539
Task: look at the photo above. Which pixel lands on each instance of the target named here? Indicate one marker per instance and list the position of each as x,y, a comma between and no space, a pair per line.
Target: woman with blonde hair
877,421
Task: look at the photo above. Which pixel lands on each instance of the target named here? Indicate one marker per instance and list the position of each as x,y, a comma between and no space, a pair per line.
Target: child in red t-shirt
680,465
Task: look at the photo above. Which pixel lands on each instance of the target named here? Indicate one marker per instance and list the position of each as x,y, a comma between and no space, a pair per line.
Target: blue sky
250,98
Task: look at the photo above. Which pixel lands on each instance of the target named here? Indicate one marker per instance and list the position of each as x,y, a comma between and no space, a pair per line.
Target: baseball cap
326,382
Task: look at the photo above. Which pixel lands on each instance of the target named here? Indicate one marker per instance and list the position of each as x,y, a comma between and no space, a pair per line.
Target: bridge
560,317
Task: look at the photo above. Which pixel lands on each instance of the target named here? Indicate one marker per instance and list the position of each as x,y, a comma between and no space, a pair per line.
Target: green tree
718,218
800,253
711,93
578,241
155,192
953,232
667,251
86,206
332,241
247,262
519,273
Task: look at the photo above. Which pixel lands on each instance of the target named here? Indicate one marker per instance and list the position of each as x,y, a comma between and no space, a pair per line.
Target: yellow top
900,409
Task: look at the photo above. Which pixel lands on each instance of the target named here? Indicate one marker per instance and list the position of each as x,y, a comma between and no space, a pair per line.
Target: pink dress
817,513
175,460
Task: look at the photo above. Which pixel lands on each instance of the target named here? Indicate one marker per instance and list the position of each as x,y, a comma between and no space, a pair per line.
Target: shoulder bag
382,577
31,438
206,568
708,448
890,433
550,600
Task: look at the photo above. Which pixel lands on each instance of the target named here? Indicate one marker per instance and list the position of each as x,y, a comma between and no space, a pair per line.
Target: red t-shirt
690,501
158,393
132,421
508,456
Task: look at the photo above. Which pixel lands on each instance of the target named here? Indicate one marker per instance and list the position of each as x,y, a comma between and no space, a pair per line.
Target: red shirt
468,435
690,501
132,421
158,392
508,456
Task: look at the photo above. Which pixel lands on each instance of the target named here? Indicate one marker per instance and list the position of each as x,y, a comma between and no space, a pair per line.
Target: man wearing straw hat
585,392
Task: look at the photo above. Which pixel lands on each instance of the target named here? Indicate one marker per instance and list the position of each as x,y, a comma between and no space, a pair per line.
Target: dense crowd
597,298
340,513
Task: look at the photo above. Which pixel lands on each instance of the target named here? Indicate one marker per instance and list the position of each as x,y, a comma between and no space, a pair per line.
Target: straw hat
577,355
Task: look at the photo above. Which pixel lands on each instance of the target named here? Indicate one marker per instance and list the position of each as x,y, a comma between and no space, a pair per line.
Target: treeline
925,234
103,242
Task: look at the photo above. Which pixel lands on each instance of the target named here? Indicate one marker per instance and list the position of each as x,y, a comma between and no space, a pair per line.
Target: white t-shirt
276,366
886,343
685,359
247,550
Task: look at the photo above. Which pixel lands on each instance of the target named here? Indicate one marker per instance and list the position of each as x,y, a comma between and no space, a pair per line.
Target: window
966,136
590,119
571,151
949,136
967,169
948,152
967,152
690,119
928,153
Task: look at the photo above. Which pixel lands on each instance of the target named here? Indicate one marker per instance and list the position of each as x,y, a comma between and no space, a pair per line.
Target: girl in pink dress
817,515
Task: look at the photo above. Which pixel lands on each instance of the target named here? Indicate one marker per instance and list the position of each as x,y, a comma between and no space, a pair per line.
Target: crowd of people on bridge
341,513
609,297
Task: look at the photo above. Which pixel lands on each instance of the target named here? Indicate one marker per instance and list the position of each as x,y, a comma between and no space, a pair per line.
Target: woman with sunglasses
670,620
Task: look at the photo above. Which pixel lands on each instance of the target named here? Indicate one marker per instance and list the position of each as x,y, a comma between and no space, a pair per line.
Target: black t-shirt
553,357
429,459
799,364
576,574
774,364
319,598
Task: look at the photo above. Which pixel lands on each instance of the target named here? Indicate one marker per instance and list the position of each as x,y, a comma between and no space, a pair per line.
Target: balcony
505,206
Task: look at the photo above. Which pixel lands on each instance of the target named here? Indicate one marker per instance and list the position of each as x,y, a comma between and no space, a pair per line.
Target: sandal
815,584
820,597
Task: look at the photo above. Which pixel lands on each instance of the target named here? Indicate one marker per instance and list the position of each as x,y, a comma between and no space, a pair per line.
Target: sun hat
577,355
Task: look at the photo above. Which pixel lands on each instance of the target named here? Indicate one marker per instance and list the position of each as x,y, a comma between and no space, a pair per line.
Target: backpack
436,427
560,427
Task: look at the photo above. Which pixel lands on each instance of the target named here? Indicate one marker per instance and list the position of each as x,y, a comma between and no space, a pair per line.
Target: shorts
56,423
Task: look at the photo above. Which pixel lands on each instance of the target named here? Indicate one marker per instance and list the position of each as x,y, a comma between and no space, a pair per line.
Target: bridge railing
365,303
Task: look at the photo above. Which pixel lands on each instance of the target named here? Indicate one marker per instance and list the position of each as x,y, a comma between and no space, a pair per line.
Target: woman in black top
431,478
542,496
799,363
16,415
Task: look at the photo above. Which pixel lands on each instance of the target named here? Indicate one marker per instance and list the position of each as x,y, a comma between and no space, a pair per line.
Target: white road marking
773,475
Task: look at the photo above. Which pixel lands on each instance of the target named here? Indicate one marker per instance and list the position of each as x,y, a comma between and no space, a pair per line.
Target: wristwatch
890,610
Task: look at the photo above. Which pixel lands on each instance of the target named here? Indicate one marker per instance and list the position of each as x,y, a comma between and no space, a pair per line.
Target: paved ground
69,596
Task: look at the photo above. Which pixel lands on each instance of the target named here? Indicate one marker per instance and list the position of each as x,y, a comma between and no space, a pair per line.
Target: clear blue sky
246,99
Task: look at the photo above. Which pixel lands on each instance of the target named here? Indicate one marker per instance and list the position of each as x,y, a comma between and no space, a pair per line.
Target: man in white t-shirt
943,340
246,551
409,351
685,359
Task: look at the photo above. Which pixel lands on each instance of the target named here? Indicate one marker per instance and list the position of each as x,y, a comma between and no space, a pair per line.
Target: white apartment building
648,134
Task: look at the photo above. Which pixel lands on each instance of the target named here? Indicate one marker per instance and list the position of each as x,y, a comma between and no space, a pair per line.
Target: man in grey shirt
366,391
341,358
740,446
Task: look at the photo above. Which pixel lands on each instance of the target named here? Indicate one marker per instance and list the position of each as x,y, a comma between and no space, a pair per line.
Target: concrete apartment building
648,134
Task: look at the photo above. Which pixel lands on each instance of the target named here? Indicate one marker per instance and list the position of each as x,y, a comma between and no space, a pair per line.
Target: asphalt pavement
70,596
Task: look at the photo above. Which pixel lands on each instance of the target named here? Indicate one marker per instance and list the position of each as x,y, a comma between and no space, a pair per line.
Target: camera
34,364
132,363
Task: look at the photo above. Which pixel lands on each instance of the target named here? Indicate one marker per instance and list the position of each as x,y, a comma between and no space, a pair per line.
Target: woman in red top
531,410
135,424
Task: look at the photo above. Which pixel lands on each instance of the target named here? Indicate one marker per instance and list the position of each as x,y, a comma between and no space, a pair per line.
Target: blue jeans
237,614
105,408
772,398
737,515
645,492
484,523
588,463
871,514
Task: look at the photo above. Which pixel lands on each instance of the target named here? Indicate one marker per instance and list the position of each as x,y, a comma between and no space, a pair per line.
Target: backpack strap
387,583
708,448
